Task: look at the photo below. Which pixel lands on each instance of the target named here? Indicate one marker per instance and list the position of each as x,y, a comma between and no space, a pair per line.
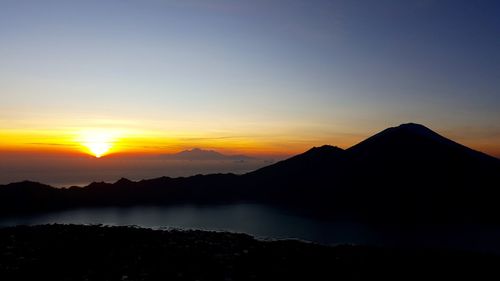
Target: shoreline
96,252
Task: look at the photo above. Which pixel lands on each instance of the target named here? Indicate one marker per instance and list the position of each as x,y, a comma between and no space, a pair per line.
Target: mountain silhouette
414,151
417,143
409,149
406,174
315,161
201,154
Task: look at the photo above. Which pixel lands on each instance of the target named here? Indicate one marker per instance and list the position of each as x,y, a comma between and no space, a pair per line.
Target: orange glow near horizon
106,141
102,142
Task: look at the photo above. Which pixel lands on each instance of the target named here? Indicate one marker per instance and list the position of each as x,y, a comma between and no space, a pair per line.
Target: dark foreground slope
404,174
70,252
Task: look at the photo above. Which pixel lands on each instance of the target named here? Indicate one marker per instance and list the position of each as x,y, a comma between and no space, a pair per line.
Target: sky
260,77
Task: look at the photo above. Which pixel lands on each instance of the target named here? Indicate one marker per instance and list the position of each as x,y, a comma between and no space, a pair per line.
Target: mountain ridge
407,174
206,155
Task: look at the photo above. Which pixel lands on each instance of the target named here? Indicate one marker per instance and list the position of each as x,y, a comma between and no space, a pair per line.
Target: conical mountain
415,141
408,164
412,153
409,149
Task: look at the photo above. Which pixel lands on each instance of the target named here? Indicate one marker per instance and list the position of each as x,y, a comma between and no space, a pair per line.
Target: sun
98,148
97,143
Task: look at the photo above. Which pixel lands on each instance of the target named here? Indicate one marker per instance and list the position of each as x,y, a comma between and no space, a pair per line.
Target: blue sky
277,73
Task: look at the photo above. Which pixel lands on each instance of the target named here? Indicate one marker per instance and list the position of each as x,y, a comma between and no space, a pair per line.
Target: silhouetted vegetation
76,252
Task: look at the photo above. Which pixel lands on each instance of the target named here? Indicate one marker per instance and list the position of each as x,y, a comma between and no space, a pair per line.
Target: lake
272,223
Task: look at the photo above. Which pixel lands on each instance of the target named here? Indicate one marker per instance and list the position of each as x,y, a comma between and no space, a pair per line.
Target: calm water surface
266,222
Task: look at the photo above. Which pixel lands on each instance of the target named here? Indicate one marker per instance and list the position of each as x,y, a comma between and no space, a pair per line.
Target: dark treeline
77,252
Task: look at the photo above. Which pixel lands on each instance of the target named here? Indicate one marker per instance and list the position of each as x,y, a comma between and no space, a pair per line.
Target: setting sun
97,143
98,148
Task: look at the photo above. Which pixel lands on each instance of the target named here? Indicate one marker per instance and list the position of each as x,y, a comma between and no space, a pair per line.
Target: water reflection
266,222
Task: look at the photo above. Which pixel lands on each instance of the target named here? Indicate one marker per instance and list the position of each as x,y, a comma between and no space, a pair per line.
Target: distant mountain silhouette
406,174
201,154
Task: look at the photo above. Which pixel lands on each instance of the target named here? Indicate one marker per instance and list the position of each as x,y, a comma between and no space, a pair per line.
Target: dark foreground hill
404,174
71,252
